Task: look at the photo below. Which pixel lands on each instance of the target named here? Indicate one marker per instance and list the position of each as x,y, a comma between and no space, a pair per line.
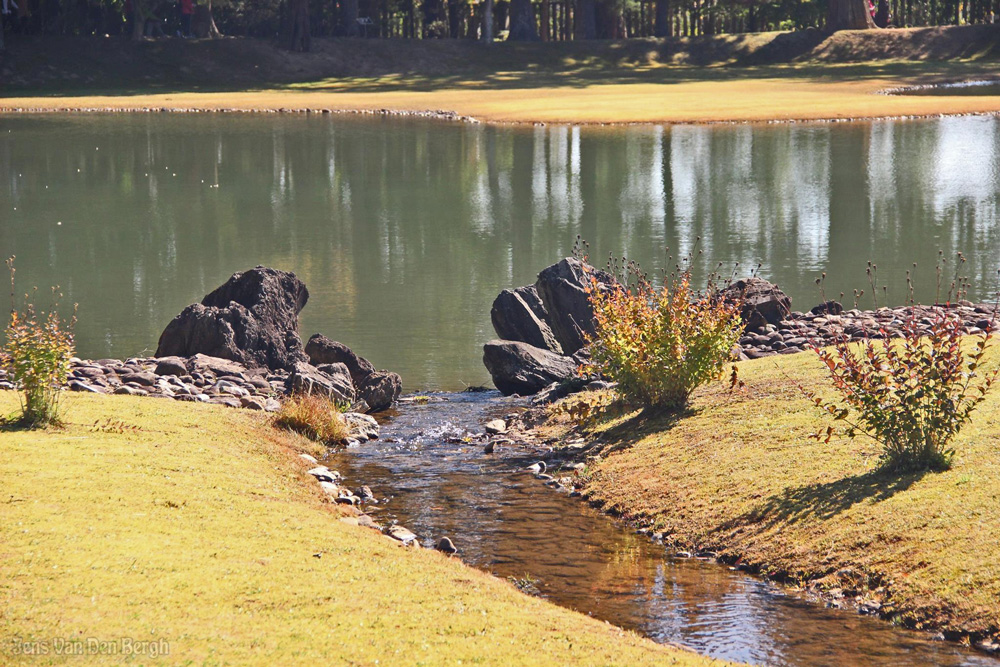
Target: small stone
142,378
361,427
307,457
252,402
76,385
402,534
272,405
174,366
496,426
445,545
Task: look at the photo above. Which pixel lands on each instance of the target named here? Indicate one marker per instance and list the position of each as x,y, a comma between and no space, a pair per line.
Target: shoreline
455,117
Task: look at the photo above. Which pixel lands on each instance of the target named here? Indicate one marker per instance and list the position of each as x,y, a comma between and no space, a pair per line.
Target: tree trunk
349,19
298,25
546,21
662,26
138,20
586,19
522,22
455,8
488,21
848,15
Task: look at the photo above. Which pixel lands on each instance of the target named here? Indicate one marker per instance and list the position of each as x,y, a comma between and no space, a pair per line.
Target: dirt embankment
43,64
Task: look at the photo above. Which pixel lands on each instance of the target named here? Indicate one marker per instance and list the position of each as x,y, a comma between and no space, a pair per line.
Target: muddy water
505,521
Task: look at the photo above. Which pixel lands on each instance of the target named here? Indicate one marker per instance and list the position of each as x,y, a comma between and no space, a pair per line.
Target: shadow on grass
826,500
622,436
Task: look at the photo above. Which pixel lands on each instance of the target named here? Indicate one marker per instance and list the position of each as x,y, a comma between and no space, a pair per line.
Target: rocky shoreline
543,329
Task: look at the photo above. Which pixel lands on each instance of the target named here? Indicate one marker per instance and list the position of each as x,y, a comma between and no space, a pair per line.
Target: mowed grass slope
202,529
739,474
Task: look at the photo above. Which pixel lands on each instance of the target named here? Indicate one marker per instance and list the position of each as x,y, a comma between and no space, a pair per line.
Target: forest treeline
295,21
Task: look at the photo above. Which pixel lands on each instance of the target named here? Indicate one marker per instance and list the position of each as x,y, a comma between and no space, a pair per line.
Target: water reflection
505,521
405,231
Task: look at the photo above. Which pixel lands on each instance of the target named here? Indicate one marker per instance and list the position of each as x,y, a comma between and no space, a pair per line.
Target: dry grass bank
759,77
740,475
201,529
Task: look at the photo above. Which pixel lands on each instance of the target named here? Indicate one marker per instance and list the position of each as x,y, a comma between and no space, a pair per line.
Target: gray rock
144,379
761,302
307,379
340,377
380,390
402,534
271,405
519,368
361,427
174,366
562,288
6,386
496,426
252,319
321,350
252,402
131,391
228,401
76,385
519,314
445,545
200,364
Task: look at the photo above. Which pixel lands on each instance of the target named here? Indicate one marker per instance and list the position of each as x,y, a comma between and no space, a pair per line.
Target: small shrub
911,395
315,417
660,344
36,355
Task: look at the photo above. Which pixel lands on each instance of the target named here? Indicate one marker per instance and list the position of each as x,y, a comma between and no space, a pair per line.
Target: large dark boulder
252,319
760,302
321,350
562,288
519,368
519,314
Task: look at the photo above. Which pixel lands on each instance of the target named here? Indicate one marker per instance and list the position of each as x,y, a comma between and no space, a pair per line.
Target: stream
504,521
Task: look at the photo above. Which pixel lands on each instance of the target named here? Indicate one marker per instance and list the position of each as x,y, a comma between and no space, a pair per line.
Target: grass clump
36,355
316,417
660,344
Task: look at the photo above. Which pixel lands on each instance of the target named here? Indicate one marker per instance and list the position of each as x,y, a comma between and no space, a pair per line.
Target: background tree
848,15
348,25
586,19
522,22
298,25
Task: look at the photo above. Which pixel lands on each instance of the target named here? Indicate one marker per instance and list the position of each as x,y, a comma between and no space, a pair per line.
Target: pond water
505,521
405,231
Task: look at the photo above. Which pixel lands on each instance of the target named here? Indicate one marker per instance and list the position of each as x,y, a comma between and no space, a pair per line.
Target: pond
405,231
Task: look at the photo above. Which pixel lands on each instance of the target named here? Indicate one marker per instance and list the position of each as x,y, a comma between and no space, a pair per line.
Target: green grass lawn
739,474
200,528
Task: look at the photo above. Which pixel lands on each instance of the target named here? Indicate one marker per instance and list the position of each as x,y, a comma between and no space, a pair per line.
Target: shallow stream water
505,521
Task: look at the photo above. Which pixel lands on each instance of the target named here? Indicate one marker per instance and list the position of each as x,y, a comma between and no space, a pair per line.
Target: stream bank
430,473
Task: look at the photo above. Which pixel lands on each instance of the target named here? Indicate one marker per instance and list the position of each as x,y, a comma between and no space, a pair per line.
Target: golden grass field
739,474
201,528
